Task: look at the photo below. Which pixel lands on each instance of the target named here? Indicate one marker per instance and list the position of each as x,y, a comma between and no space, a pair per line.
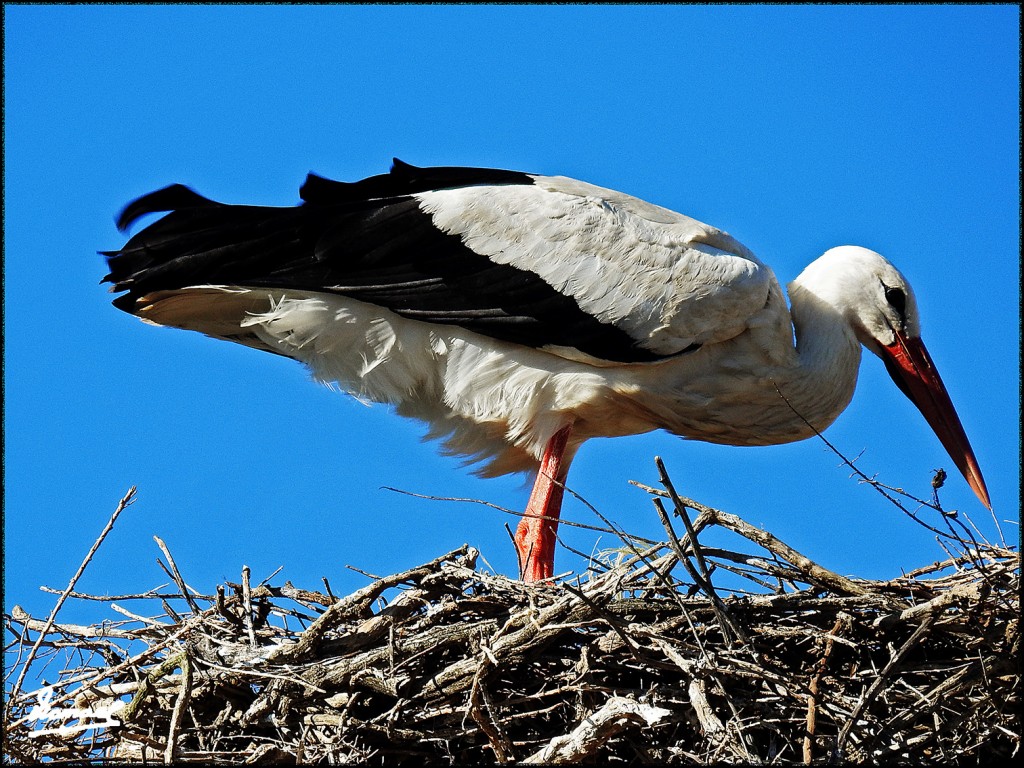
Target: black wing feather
404,179
167,199
368,240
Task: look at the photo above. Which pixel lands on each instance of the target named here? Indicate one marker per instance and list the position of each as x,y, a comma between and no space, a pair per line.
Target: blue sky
793,128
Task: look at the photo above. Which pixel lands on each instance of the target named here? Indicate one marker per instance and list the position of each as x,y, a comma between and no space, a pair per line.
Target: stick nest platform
647,658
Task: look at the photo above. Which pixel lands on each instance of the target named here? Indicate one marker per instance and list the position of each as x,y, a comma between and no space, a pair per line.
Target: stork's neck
822,384
732,394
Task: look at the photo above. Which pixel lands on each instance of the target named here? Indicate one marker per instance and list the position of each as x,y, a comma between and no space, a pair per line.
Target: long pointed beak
911,367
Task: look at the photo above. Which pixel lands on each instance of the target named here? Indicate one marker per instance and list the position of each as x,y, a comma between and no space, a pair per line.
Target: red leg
535,536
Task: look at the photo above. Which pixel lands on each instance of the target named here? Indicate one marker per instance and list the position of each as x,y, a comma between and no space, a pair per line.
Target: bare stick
136,596
355,603
161,670
327,588
612,621
681,511
882,488
131,662
176,575
724,617
266,581
512,512
179,710
872,691
121,506
821,575
19,615
812,696
499,742
247,604
136,617
617,530
617,713
729,627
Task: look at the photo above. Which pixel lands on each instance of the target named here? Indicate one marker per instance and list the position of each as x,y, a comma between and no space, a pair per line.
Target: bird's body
513,312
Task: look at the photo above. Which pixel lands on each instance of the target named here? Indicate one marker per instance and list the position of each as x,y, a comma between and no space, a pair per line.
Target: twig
354,604
729,627
266,580
819,574
872,691
327,588
133,662
812,696
881,487
175,574
594,730
247,606
612,621
611,527
134,596
162,669
561,520
179,710
19,615
152,623
121,506
481,709
691,534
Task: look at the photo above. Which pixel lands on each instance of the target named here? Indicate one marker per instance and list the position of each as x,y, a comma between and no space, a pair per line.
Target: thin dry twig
125,502
882,679
890,492
812,695
175,574
178,713
702,580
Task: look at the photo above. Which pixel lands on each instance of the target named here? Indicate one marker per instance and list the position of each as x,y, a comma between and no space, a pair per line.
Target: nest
669,653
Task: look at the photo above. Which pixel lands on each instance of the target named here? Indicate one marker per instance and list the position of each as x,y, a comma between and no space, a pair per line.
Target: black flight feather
368,240
404,179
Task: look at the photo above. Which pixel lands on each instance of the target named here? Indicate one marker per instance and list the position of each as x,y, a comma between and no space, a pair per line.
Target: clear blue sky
793,128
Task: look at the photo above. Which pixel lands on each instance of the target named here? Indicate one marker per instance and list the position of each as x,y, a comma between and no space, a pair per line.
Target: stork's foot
535,547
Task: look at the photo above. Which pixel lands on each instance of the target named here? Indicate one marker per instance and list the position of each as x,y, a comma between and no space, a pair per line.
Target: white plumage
665,278
520,315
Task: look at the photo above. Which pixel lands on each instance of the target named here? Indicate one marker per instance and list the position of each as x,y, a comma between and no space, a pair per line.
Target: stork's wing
540,261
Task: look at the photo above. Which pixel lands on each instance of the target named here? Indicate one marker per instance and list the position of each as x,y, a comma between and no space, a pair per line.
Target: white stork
519,315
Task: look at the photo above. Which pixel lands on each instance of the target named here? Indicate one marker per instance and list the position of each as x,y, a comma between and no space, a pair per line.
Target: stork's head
880,306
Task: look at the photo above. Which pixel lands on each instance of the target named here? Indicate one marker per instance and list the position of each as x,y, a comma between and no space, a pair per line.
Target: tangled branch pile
643,660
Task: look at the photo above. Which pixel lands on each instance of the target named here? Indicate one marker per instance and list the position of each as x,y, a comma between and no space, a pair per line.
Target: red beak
911,367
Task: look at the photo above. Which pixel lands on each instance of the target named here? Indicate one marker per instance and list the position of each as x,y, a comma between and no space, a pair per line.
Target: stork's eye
897,300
